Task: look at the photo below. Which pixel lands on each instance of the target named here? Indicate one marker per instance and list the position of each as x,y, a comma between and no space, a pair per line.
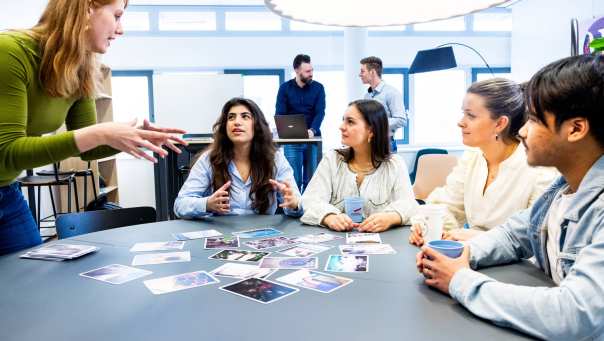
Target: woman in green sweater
48,76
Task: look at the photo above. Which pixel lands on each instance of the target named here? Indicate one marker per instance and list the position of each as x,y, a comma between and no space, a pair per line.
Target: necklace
363,171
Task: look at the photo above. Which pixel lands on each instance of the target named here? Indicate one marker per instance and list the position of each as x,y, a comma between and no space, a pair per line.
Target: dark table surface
49,300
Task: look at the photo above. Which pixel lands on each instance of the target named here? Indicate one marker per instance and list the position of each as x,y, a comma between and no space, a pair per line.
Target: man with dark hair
563,230
392,99
302,95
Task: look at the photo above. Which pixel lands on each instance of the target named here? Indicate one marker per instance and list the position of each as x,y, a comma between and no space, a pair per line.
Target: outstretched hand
290,199
218,202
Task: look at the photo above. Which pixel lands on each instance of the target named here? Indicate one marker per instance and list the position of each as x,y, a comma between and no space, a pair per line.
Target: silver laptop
291,126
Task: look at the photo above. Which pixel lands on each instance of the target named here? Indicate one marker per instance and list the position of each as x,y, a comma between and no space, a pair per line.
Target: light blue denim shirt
193,196
572,311
392,100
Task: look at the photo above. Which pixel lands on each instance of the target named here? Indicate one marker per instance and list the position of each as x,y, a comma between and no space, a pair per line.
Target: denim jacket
572,311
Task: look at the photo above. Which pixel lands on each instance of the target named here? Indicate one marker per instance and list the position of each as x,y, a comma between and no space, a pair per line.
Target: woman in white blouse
492,181
365,169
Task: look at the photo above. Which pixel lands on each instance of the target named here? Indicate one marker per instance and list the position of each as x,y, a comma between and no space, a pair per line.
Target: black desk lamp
439,58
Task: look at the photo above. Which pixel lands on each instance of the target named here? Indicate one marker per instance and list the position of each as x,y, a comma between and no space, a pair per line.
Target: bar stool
56,179
85,173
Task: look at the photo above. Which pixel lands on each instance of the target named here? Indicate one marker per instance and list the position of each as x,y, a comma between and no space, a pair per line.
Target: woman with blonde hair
493,180
48,77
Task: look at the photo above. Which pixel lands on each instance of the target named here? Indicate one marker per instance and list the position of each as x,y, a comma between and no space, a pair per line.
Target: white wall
270,52
541,32
20,14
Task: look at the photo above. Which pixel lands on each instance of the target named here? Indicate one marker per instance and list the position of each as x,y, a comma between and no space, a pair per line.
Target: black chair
419,154
85,173
189,159
74,224
54,178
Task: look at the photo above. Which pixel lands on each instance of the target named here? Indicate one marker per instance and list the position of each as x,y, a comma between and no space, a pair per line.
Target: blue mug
353,206
449,248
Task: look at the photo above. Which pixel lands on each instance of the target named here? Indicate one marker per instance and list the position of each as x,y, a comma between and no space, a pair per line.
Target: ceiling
198,2
226,2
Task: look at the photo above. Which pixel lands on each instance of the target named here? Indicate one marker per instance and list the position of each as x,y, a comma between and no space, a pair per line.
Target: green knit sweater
27,112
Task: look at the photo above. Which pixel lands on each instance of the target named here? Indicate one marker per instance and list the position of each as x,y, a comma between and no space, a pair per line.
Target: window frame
404,71
482,70
140,73
258,72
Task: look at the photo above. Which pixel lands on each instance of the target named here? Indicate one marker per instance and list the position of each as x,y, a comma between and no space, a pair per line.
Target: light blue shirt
572,311
392,100
193,196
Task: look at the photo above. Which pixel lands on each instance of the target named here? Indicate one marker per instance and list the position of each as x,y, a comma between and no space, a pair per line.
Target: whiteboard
193,102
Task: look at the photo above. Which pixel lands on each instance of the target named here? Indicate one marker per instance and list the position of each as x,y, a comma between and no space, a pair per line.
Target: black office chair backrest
424,152
74,224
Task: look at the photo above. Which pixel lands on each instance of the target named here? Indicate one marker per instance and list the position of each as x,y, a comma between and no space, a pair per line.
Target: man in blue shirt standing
391,99
302,95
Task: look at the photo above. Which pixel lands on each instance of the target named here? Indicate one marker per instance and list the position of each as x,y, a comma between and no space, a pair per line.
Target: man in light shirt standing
389,96
563,230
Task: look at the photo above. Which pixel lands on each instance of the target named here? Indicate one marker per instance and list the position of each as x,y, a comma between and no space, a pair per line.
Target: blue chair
419,154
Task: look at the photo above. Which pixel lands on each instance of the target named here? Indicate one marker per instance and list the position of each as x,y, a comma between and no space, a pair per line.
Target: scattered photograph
116,274
304,250
59,252
363,238
367,249
347,263
222,243
317,238
269,243
238,270
161,258
184,281
258,233
289,262
260,290
315,280
158,246
239,255
196,235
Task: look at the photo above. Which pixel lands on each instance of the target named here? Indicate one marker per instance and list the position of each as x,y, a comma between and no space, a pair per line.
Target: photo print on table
347,263
363,238
258,233
269,243
116,274
289,262
260,290
196,235
184,281
315,280
239,255
222,243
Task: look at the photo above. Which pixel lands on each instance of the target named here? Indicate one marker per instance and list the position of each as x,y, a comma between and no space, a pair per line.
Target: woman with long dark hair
242,173
364,169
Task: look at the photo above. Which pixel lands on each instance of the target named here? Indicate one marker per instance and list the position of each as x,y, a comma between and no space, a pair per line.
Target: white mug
430,219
